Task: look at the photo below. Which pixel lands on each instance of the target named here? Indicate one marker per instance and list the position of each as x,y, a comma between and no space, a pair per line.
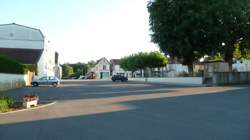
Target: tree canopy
67,71
190,29
240,54
79,69
76,69
142,60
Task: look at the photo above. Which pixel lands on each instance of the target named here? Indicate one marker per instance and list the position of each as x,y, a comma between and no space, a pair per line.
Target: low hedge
8,65
31,67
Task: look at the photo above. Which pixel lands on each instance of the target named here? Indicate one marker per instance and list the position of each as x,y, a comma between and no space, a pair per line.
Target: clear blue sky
83,30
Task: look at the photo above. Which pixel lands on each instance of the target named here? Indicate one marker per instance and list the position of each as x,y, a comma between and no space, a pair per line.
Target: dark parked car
119,78
46,80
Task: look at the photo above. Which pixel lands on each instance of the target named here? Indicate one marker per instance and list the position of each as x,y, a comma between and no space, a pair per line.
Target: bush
183,74
200,73
9,65
3,106
31,67
6,102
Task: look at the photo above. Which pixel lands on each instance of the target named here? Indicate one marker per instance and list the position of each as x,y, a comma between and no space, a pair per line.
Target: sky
84,30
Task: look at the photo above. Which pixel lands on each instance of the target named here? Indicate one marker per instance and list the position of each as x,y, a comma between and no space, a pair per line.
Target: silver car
46,80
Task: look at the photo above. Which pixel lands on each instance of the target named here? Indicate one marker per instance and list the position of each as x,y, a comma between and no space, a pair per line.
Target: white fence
242,66
10,81
192,81
173,70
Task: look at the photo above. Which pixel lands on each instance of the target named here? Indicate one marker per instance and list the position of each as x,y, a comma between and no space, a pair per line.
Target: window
43,78
104,67
52,78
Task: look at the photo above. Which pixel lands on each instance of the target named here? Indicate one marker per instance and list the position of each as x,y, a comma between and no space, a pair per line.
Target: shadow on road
90,89
222,116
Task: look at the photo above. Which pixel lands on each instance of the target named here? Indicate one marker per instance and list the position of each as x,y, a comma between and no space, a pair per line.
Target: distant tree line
75,70
143,60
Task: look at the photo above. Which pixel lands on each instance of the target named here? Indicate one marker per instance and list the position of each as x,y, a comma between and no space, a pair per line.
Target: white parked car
46,80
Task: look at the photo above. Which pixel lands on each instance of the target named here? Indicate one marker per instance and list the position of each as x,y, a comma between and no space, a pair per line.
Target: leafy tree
216,57
241,53
67,70
246,54
237,53
91,64
190,29
79,69
141,61
156,60
129,63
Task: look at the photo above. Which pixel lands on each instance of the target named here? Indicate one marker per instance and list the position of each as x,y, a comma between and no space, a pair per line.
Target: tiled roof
115,61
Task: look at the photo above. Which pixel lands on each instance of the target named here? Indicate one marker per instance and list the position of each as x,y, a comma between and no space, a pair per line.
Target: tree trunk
190,69
229,58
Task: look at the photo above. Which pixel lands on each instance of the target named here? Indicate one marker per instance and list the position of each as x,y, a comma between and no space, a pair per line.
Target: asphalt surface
102,110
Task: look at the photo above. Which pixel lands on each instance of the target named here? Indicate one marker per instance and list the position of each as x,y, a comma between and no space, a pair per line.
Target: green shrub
9,65
31,67
200,73
3,106
6,102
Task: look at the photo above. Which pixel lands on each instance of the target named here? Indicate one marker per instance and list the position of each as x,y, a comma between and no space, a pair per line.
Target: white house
27,45
48,65
116,68
101,69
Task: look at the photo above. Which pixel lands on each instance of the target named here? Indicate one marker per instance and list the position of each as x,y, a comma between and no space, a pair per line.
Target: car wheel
35,84
54,84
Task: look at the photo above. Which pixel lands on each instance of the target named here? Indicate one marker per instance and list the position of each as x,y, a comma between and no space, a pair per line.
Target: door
43,81
101,75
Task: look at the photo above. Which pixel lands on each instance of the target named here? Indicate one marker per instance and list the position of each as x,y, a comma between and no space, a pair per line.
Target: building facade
27,45
22,43
101,69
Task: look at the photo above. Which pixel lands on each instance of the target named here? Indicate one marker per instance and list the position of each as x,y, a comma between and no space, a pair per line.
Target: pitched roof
102,59
23,27
115,61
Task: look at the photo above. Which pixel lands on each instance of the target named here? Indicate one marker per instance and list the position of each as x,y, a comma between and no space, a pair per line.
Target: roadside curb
28,109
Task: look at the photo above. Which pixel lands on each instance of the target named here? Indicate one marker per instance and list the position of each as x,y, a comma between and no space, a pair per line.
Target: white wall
192,81
10,81
21,44
176,67
117,69
174,70
21,37
4,77
99,68
242,67
46,64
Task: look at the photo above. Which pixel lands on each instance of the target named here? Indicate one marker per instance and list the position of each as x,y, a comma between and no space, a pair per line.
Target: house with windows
101,70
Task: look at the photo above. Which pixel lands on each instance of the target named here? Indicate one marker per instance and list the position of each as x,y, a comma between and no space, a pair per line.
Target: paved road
102,110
